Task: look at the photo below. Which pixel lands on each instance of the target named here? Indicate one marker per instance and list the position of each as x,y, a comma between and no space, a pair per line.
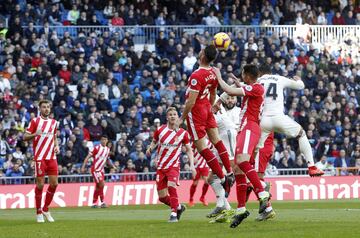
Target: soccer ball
221,41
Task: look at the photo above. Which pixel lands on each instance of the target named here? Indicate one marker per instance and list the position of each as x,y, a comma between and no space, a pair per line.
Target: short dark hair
104,136
265,69
251,70
44,101
210,53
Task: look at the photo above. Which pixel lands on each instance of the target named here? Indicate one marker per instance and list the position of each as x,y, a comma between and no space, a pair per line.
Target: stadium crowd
99,84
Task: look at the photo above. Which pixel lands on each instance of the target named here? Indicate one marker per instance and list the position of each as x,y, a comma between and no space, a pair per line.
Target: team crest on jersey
193,82
248,87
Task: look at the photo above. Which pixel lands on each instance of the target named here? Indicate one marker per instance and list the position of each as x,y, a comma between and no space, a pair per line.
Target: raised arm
227,88
295,83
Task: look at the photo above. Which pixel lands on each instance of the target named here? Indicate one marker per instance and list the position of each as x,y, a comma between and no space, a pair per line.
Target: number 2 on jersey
271,91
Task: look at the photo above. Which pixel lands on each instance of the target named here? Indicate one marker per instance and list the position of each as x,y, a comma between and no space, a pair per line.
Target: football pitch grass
336,218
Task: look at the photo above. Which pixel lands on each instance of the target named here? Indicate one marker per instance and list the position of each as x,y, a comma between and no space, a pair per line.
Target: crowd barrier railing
148,34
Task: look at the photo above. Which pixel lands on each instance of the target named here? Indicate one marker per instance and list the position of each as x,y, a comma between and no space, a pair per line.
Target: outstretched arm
227,88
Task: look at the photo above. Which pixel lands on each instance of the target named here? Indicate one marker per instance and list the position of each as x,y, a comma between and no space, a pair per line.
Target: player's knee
40,186
195,182
54,184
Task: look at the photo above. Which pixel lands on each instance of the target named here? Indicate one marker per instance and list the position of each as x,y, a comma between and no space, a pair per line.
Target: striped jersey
43,144
200,161
169,146
100,154
252,104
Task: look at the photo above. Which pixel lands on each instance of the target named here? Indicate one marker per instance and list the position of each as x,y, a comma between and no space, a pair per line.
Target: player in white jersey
227,117
42,131
100,153
274,119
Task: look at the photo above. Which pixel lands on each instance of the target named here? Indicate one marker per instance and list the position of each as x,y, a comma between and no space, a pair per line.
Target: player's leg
101,186
292,129
214,138
177,209
205,187
161,184
210,158
96,191
193,188
53,182
219,191
246,142
40,181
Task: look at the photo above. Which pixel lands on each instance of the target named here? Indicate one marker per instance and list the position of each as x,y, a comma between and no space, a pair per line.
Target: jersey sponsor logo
193,82
248,87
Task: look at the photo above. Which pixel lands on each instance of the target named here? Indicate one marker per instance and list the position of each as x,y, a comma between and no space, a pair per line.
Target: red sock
252,176
224,155
95,197
165,200
204,190
38,197
192,191
101,194
174,202
241,188
212,162
49,197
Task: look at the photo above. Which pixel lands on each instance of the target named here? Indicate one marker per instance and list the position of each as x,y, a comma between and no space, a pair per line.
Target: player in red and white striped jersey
42,130
169,139
100,153
202,172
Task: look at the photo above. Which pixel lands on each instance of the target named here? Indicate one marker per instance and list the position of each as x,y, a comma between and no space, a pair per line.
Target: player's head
230,102
45,108
208,54
172,115
250,73
264,69
104,140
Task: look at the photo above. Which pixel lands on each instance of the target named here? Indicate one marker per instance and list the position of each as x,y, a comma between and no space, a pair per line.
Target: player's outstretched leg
221,202
249,171
305,149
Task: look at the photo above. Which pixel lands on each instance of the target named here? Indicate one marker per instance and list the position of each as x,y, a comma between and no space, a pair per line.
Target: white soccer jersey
274,86
228,123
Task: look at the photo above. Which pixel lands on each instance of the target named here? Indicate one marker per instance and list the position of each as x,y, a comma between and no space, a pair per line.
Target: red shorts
248,138
98,176
46,167
199,119
165,175
201,172
264,156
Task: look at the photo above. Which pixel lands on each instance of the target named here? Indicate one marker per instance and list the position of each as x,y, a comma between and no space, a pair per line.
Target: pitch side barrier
315,34
184,175
144,192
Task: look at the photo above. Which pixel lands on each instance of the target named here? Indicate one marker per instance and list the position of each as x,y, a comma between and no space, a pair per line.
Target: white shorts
229,139
281,124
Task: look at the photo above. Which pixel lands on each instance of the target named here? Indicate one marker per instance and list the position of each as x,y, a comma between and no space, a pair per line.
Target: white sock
227,204
263,183
222,180
241,209
179,207
219,192
305,148
173,214
268,209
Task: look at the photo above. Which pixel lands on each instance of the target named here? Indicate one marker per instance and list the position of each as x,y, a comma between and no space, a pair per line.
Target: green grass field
294,219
